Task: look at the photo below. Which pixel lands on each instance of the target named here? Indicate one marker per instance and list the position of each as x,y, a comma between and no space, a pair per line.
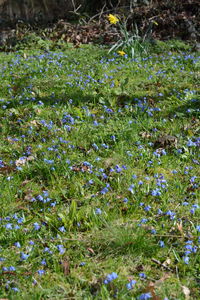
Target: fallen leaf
23,184
80,168
35,123
23,161
162,279
29,195
145,134
6,170
66,267
180,227
91,250
151,289
168,261
186,292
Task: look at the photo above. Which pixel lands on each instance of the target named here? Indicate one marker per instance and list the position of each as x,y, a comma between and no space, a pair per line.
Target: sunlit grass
99,174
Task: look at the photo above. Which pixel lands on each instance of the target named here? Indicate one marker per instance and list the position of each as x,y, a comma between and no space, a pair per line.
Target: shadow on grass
76,95
189,109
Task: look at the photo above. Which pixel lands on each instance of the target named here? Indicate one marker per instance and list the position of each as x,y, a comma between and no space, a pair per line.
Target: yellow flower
122,53
112,19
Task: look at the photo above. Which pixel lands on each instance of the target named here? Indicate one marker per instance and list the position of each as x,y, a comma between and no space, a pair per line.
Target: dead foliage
174,18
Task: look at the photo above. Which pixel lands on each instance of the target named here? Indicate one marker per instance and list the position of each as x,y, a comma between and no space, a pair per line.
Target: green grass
85,187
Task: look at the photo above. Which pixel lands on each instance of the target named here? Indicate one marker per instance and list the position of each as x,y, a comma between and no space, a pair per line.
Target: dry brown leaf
162,279
186,292
168,261
6,170
29,195
22,162
35,123
38,111
66,267
151,289
180,227
145,134
91,250
23,184
80,168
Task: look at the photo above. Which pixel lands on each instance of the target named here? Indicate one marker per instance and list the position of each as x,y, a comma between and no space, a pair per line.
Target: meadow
99,174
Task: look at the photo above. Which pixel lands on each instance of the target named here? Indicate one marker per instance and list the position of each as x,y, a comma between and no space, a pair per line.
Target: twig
99,14
169,235
63,239
105,12
161,264
74,7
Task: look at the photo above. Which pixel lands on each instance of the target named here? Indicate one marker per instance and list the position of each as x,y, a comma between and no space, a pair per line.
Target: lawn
99,175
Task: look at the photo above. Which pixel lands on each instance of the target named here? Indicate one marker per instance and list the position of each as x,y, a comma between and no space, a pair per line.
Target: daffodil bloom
112,19
122,53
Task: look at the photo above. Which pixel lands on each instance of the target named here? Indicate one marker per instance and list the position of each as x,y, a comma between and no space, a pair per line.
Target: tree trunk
36,10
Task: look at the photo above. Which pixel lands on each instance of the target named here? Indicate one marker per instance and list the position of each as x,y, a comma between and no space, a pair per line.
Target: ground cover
99,175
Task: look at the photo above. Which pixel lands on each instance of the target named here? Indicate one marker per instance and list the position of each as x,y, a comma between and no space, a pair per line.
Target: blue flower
156,192
15,289
110,277
17,244
186,259
145,296
130,285
191,143
36,226
98,211
2,259
161,244
43,262
62,229
131,187
147,208
40,198
41,272
9,226
143,221
125,200
142,275
95,146
192,179
118,169
46,249
104,191
95,123
23,256
198,228
48,161
61,249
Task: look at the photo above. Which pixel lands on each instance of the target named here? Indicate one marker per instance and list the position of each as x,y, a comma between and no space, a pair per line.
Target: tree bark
34,10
